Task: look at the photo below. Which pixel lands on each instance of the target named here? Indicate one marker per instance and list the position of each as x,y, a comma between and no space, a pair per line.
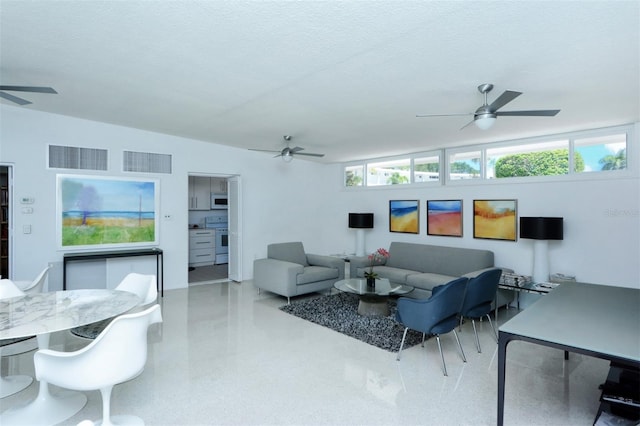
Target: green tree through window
396,178
428,167
353,179
544,163
615,162
462,167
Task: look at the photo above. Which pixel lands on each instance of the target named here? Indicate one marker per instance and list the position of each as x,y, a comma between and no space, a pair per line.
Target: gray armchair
289,271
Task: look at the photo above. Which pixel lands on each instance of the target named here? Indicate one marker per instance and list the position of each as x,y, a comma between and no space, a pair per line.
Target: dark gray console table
97,255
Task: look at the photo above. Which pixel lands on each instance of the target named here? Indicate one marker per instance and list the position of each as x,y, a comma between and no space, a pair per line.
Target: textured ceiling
344,78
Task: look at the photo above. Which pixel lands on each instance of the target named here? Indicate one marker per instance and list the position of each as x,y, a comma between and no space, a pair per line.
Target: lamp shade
541,228
360,220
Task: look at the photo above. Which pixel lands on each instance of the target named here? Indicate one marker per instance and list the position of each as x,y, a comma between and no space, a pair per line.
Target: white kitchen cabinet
219,185
202,247
199,193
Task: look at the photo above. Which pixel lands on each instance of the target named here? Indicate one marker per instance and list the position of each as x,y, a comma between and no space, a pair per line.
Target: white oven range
218,223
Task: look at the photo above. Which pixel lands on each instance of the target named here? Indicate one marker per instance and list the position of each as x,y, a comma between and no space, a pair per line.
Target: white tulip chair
117,355
35,286
11,384
143,286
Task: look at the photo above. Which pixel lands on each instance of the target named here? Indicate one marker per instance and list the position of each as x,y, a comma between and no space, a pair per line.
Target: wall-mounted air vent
72,157
146,162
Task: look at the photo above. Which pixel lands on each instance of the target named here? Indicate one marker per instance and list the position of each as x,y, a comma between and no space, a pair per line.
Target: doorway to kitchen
208,229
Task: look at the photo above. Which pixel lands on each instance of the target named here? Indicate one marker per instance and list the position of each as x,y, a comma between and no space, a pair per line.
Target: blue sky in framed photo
446,206
107,195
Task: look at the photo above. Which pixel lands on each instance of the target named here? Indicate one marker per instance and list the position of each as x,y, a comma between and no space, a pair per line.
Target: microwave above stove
218,201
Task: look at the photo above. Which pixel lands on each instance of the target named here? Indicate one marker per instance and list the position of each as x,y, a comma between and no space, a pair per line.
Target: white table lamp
360,222
541,229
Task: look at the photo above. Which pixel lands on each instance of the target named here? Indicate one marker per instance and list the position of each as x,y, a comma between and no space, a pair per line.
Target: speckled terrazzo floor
226,355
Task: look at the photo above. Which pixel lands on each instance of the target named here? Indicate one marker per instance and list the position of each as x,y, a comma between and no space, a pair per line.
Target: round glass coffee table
373,300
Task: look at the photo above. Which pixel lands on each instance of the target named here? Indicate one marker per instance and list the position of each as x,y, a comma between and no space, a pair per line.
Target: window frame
444,154
441,169
458,150
376,162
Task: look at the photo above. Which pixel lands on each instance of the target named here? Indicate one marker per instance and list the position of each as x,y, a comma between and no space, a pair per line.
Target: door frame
234,193
235,213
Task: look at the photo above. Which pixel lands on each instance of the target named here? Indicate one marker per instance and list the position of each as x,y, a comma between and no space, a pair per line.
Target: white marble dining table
41,314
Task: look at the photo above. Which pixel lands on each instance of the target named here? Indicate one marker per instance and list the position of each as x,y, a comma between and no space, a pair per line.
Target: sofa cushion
313,274
395,275
288,252
428,281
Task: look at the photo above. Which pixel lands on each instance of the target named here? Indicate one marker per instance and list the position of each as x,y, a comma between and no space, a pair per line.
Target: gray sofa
289,271
424,266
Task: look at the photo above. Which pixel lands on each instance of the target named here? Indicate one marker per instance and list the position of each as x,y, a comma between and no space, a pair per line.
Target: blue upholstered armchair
289,271
481,292
436,315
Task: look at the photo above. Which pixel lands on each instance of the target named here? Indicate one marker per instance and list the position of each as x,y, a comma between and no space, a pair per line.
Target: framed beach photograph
100,212
444,217
404,216
495,219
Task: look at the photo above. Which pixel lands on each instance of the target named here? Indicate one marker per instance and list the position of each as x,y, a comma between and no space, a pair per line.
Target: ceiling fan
486,115
287,153
31,89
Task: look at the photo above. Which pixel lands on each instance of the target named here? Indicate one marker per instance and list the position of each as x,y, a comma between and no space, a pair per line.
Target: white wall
279,198
601,222
305,201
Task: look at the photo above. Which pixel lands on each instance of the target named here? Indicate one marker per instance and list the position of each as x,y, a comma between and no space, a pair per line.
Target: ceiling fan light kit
485,121
486,116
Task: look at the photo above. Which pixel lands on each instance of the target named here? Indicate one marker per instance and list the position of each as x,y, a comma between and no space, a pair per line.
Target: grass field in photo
106,231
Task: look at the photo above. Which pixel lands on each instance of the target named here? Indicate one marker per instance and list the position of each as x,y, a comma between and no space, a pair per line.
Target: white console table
98,255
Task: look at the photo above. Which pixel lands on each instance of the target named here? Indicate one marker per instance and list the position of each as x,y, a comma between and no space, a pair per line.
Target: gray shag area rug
339,312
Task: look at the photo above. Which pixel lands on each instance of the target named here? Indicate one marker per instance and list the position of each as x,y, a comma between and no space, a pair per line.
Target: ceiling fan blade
264,150
309,154
538,113
33,89
443,115
14,99
295,150
469,123
506,97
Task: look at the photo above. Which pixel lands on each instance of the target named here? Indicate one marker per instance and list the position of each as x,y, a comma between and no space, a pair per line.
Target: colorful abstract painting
444,217
106,212
494,219
404,216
